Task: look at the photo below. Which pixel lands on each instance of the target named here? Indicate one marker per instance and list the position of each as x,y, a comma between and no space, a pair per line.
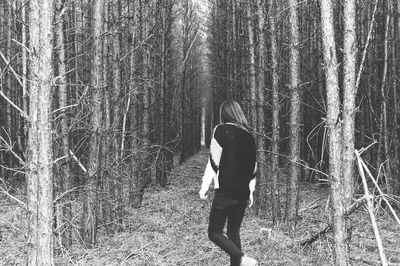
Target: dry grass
170,229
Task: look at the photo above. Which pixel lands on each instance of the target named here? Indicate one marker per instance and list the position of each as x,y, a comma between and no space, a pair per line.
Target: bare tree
275,114
40,159
89,219
292,197
252,70
349,88
334,129
64,179
261,127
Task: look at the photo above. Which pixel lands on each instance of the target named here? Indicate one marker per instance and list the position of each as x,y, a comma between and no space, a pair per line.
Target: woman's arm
207,179
252,185
212,165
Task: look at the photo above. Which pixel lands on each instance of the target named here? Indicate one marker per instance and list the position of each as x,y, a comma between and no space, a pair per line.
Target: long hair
230,112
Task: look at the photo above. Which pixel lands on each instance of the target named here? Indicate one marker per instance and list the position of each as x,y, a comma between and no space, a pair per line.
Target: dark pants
225,208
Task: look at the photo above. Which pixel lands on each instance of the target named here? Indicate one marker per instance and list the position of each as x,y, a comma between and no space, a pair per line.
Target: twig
366,46
310,206
301,164
5,192
22,113
370,208
67,192
13,226
359,202
130,255
362,150
12,70
379,190
79,163
316,236
9,147
64,107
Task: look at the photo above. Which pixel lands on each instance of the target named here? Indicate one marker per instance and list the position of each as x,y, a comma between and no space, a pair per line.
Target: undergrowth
171,229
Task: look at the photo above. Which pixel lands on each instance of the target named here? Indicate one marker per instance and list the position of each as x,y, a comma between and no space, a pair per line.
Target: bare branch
10,67
9,148
77,160
366,45
5,192
370,209
22,112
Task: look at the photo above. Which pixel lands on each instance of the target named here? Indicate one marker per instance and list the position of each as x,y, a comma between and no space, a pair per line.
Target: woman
232,167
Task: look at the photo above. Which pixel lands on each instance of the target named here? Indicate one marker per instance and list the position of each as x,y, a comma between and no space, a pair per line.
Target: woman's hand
251,200
203,195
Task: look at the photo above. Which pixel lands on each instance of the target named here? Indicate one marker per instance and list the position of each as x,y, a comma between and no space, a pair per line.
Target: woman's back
238,159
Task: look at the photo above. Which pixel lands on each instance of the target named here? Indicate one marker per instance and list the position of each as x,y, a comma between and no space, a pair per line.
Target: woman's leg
220,209
235,218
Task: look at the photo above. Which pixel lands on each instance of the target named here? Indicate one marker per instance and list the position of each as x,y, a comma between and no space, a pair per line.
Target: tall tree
261,129
116,103
275,114
89,219
349,96
40,156
252,70
64,179
384,132
292,197
334,129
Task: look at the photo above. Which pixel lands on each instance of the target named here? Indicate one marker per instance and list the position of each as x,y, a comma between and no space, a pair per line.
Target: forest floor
171,229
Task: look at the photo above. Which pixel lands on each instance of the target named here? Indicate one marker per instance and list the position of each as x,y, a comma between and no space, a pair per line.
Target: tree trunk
334,127
349,112
395,72
384,130
184,86
261,130
8,92
134,171
65,178
106,127
275,198
161,174
40,157
252,70
24,72
143,178
116,103
292,197
89,219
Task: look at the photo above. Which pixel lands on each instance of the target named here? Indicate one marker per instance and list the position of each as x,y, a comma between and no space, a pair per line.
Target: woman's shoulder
239,127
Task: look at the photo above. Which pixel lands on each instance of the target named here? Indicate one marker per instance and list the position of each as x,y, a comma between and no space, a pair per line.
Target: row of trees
317,79
96,97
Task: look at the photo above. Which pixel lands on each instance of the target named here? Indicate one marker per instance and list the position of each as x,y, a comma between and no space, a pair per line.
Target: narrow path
171,229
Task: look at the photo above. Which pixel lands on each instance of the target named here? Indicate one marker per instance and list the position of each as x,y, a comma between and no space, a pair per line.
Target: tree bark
334,128
252,66
66,174
40,157
161,171
261,129
106,128
275,198
349,97
292,197
349,87
384,129
395,72
24,71
89,219
8,91
116,103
